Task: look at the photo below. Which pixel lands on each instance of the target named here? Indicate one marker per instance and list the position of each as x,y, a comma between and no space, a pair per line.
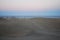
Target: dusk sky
29,5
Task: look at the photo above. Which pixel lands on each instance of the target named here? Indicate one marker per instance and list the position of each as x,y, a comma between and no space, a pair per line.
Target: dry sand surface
30,29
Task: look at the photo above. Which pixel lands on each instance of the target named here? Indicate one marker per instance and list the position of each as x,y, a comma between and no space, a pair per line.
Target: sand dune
30,29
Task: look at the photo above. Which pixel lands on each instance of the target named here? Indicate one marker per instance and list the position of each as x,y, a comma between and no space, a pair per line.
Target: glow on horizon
28,4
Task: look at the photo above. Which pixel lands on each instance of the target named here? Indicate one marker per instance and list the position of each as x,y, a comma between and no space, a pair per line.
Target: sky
29,5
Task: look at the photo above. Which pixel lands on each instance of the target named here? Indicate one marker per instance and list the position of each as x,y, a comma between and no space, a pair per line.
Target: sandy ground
30,29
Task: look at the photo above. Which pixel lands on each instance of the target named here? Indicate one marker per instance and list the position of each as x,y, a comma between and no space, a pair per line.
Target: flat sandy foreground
30,29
